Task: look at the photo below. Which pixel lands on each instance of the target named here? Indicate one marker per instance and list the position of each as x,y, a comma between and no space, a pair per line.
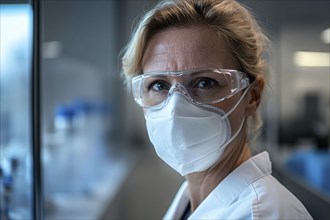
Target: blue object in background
313,166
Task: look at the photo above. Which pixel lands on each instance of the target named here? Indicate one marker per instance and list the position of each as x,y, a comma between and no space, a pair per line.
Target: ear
255,94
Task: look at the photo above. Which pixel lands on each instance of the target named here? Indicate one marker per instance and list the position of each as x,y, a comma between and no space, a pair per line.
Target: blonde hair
227,18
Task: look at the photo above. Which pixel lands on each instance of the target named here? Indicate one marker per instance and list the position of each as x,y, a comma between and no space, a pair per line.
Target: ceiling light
312,59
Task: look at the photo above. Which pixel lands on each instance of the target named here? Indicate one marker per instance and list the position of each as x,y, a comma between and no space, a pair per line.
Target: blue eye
159,86
206,83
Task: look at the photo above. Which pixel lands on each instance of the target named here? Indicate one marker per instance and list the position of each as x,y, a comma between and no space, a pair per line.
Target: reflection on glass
15,124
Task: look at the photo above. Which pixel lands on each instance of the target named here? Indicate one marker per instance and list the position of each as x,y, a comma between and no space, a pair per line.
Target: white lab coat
249,192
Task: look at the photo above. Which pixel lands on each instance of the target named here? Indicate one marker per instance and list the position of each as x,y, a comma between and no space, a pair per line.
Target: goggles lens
200,86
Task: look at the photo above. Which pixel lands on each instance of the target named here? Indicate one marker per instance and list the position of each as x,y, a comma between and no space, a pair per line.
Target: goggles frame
244,82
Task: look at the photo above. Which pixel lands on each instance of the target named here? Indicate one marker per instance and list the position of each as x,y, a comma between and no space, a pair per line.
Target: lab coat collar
179,203
226,192
229,189
251,170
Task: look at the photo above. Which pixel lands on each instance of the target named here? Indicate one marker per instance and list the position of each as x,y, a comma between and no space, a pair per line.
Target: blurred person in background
197,68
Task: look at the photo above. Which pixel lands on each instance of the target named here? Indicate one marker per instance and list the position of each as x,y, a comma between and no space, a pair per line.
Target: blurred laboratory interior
93,159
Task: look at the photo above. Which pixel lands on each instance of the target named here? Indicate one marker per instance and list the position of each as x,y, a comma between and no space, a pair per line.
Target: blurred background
96,160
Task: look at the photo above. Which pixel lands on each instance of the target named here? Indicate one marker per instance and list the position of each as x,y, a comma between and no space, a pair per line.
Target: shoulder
251,192
266,198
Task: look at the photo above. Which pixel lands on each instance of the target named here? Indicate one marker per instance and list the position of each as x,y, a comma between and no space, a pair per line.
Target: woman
197,68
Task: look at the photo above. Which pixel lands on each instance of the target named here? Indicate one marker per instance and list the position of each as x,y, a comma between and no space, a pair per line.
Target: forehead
182,48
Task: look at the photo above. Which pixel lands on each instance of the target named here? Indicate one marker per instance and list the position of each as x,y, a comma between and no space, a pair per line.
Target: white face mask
189,138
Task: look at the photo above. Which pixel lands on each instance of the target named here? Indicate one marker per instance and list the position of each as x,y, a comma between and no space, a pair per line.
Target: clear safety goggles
200,86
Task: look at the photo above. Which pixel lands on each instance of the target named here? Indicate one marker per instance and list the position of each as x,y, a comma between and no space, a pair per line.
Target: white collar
226,192
248,172
230,188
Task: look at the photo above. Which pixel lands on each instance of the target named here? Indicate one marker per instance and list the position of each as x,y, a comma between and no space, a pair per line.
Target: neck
201,184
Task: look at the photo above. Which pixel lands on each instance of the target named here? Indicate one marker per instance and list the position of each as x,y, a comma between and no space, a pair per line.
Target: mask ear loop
237,103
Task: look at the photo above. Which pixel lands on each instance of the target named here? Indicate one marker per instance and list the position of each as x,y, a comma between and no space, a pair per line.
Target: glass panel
15,111
83,163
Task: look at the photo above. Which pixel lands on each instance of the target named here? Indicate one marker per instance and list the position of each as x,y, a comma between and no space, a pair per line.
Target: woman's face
184,48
